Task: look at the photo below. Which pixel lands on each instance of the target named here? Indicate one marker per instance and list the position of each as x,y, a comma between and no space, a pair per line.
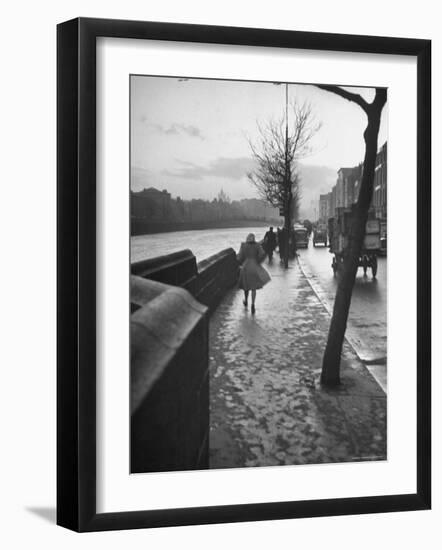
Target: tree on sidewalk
277,152
330,375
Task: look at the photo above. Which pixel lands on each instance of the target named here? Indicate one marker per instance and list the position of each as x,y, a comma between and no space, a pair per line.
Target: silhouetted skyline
191,136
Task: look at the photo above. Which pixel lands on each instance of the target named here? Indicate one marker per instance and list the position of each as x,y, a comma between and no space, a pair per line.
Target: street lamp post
287,178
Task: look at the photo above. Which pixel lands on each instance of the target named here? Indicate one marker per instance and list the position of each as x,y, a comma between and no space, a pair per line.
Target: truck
339,231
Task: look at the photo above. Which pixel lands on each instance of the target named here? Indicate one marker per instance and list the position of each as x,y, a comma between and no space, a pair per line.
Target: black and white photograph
220,225
258,273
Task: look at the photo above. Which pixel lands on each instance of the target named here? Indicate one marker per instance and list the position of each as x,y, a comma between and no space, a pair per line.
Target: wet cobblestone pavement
266,405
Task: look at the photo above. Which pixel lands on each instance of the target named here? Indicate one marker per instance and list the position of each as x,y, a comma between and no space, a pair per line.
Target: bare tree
277,152
330,375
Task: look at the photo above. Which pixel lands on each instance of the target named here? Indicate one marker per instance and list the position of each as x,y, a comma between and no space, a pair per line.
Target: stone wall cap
158,329
151,264
216,257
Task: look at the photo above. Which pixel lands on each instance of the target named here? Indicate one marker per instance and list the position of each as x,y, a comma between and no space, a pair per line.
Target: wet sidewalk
266,404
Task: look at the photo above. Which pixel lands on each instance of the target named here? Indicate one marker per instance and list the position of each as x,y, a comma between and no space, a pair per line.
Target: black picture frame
76,273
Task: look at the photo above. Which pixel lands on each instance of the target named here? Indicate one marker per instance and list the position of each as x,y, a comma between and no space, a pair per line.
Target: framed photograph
236,340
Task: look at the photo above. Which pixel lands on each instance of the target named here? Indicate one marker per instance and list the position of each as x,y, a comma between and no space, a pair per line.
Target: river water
203,243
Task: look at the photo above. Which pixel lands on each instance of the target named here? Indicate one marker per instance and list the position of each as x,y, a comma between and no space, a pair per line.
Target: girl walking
252,275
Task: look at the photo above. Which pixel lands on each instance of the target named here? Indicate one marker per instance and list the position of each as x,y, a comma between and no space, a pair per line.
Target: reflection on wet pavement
368,310
267,407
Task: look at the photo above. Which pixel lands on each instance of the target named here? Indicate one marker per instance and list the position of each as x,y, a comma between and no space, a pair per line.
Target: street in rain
258,276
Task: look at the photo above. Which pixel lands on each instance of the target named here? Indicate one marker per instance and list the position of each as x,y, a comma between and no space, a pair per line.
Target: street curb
318,292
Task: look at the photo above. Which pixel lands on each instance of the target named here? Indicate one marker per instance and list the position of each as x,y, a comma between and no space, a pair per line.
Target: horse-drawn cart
339,231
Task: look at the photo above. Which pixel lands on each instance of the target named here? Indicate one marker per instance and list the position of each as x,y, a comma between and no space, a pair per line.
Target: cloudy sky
191,136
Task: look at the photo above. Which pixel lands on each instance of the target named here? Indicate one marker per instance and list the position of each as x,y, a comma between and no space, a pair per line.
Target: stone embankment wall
207,281
171,299
169,379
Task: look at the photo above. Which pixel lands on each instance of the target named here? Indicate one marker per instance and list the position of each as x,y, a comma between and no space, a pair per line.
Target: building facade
151,203
380,184
158,206
323,208
345,192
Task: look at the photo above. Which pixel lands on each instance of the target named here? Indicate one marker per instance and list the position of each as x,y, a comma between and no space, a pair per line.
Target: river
203,242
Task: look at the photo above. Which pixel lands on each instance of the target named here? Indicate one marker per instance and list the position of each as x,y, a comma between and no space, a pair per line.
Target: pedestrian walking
269,243
252,275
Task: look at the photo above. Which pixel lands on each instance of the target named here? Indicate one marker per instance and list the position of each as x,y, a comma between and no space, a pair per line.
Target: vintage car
301,236
320,235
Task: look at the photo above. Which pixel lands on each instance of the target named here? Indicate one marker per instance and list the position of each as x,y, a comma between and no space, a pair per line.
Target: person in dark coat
270,243
252,275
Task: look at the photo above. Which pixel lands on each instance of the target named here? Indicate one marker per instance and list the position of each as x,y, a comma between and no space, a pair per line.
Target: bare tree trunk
287,224
330,375
286,242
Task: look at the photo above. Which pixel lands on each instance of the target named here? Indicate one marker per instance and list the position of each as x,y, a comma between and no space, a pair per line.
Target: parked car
301,236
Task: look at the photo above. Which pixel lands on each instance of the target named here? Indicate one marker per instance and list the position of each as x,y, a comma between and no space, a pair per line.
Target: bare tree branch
272,152
355,98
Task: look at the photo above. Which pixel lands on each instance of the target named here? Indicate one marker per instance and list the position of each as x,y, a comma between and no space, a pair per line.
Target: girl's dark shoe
253,309
245,303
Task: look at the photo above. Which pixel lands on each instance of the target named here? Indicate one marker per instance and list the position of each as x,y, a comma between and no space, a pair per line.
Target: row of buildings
346,190
159,206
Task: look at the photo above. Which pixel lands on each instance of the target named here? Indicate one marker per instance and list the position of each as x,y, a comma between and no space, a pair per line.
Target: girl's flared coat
252,275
